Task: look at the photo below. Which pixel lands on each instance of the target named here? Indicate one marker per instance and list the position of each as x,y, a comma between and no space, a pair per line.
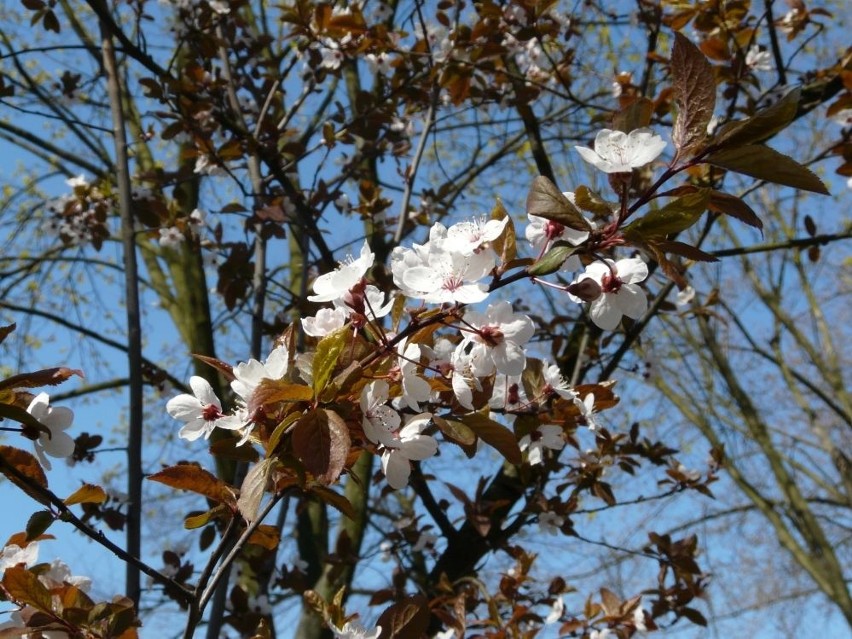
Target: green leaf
197,480
495,435
553,260
761,126
328,353
695,93
38,523
735,207
676,216
321,442
763,163
546,200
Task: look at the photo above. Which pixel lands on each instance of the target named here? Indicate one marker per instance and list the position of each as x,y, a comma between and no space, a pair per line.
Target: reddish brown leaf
635,115
25,464
761,126
333,499
24,587
197,480
46,377
406,619
495,435
764,163
226,369
270,391
321,441
546,200
254,485
732,205
695,94
266,536
685,250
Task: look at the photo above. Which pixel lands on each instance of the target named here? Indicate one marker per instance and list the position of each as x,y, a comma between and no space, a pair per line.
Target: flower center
611,283
552,229
211,413
491,335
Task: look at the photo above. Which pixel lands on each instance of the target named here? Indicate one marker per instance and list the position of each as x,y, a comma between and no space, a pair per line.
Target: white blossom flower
619,152
171,237
449,276
57,419
201,411
325,322
79,180
378,420
354,630
606,633
555,611
379,63
424,540
335,285
259,604
612,288
549,523
758,59
507,395
545,436
685,296
498,339
197,217
639,618
59,573
12,555
408,445
586,406
468,237
555,383
415,389
249,374
219,6
463,379
204,165
372,303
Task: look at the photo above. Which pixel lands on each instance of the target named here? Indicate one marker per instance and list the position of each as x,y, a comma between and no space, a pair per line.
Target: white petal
593,158
397,469
509,358
632,270
631,300
204,391
419,447
604,313
59,445
184,407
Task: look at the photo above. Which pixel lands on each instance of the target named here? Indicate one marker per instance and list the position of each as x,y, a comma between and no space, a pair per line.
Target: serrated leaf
676,216
495,435
455,430
24,587
197,480
327,354
763,163
590,201
283,427
761,126
86,494
695,93
505,245
406,619
546,200
732,205
321,442
38,523
252,489
635,115
553,260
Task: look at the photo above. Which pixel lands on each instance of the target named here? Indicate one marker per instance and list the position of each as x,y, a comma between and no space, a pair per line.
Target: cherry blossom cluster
455,269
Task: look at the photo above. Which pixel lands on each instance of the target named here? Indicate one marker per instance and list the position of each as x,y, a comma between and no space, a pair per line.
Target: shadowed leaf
406,619
46,377
254,485
761,126
495,435
321,441
676,216
546,200
735,207
24,587
763,163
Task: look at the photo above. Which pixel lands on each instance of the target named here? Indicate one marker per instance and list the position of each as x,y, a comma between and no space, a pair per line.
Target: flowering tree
367,389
